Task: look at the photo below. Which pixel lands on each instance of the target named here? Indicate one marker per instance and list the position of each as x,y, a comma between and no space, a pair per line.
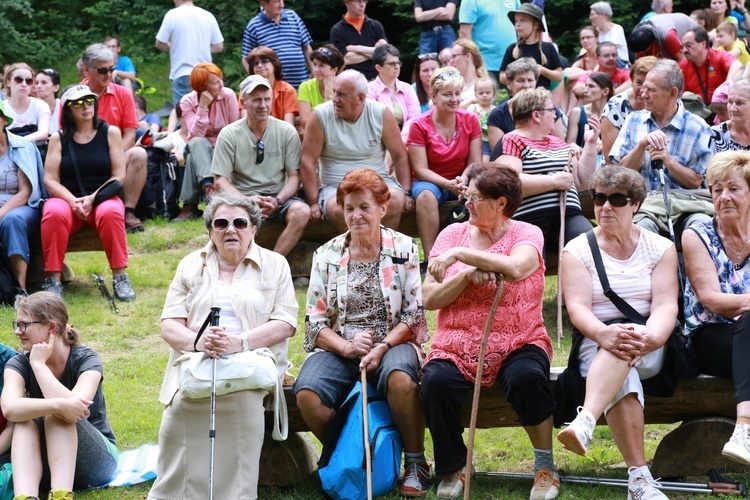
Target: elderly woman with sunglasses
253,287
327,62
442,144
263,61
83,163
31,116
364,312
613,353
542,159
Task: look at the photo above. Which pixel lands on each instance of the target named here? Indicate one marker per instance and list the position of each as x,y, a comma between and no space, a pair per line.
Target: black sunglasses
104,71
263,60
260,151
429,55
19,80
222,224
615,199
78,103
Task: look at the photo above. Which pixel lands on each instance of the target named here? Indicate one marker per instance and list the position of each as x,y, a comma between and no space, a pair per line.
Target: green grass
135,357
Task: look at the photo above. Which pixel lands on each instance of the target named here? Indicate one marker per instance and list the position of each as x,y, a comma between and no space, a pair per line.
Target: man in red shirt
606,57
704,68
116,107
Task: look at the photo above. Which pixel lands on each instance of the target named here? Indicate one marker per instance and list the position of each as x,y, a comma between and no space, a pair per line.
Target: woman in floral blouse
364,311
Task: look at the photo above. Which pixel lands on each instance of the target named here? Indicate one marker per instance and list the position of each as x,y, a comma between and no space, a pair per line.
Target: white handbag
246,370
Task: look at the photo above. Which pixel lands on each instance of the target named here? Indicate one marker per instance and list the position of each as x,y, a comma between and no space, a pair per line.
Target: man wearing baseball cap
259,156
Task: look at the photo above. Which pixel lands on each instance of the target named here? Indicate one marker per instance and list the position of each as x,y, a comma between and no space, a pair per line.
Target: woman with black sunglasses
31,116
612,352
253,287
84,165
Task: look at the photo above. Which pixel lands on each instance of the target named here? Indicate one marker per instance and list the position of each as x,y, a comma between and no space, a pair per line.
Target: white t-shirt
190,31
617,36
54,122
37,108
178,141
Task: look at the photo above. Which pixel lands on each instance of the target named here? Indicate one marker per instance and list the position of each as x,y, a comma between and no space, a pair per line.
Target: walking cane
478,383
212,426
659,166
366,433
560,245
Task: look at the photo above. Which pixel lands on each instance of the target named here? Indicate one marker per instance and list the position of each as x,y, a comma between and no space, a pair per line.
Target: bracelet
278,203
388,344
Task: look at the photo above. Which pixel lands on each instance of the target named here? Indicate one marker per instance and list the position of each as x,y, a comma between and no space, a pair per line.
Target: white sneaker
643,488
577,436
546,485
453,486
738,446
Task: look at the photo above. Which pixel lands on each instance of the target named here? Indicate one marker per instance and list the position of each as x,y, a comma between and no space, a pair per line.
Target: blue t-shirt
124,63
492,30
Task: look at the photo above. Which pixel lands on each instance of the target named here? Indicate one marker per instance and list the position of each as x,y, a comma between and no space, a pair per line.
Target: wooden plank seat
705,406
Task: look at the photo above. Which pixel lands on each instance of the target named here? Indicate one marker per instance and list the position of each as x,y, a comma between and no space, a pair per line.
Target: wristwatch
278,203
245,345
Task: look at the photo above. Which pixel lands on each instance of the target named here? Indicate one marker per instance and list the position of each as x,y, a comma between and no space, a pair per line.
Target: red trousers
59,222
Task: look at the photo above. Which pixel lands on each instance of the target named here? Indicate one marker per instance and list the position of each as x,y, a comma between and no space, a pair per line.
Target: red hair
363,180
200,75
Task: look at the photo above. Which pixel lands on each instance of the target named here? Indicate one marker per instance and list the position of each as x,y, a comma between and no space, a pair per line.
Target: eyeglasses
263,60
448,76
429,55
222,224
260,151
393,64
474,198
325,51
19,80
23,325
615,199
547,109
453,56
78,103
104,71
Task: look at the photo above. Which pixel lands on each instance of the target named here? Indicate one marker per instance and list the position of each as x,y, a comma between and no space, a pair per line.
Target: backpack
342,464
162,189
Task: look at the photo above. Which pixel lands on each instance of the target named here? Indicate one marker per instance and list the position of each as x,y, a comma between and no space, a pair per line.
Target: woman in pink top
442,144
387,89
207,109
461,285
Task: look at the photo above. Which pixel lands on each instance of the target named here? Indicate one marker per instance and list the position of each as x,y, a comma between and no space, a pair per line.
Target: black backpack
162,190
9,286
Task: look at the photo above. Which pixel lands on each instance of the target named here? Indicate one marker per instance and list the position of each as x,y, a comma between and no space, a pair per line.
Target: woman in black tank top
84,170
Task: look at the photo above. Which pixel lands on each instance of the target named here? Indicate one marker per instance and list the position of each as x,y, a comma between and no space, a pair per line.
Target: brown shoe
208,191
132,223
189,212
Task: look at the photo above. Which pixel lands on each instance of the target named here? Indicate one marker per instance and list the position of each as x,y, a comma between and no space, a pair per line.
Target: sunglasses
264,60
49,72
222,224
78,103
325,51
104,71
429,55
260,151
393,64
615,199
448,76
19,80
23,325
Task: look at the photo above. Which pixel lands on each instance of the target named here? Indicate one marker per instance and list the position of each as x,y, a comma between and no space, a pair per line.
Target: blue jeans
180,87
15,229
435,41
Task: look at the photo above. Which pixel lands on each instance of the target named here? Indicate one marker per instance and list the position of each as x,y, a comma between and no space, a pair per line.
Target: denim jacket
25,155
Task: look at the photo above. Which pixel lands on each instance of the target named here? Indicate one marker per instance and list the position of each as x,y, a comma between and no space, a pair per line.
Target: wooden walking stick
478,383
366,433
560,245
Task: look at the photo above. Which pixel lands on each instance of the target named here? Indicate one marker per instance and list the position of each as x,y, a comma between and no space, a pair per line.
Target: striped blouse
541,157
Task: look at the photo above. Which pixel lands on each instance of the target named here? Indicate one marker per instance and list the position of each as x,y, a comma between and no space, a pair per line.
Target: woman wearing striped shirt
541,159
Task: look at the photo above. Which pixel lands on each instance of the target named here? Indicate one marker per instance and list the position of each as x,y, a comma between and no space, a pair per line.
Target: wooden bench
705,406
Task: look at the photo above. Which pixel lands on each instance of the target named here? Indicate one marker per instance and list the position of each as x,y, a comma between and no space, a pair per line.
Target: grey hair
522,65
97,52
357,78
602,8
381,52
673,74
742,85
658,5
231,199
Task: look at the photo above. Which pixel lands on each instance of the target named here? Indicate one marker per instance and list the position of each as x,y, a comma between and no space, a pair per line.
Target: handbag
242,371
682,358
108,190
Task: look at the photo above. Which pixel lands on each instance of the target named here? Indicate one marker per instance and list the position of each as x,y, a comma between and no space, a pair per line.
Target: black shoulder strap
69,144
619,303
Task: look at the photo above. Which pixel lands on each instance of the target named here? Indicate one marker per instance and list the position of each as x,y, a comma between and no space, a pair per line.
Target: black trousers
549,223
723,349
525,377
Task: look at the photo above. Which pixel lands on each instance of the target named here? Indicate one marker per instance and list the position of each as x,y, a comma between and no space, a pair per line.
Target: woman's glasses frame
238,223
257,62
615,199
78,103
23,325
19,80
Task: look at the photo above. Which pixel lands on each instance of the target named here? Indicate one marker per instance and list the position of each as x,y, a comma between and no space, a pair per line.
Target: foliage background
48,33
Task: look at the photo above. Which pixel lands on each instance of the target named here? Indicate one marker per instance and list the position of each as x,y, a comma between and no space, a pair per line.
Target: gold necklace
737,265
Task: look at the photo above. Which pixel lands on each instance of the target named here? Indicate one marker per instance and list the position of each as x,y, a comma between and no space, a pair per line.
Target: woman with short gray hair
600,15
734,134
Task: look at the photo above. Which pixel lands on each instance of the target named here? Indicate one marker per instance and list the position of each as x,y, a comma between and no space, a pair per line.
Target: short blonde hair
526,102
726,163
446,77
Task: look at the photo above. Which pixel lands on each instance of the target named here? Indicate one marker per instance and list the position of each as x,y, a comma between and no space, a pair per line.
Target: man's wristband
278,203
387,344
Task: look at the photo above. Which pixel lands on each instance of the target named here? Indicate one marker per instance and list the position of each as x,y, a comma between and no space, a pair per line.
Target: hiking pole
212,427
366,432
560,245
478,383
659,166
710,487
